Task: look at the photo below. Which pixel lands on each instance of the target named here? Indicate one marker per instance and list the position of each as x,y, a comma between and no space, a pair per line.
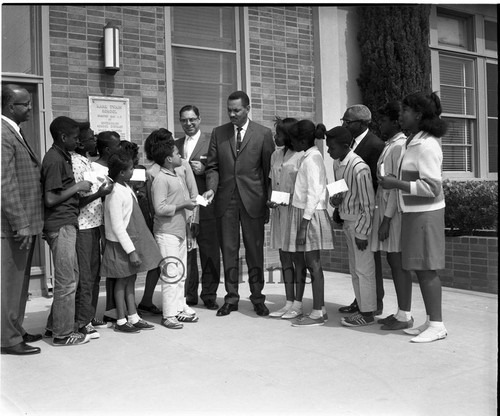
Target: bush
471,205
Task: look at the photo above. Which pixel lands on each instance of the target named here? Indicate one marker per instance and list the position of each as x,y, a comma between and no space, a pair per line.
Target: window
205,54
492,110
490,35
455,30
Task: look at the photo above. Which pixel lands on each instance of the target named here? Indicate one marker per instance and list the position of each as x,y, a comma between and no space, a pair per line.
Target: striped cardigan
358,203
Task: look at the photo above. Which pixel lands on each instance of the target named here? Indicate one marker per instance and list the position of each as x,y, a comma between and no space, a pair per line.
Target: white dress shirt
190,144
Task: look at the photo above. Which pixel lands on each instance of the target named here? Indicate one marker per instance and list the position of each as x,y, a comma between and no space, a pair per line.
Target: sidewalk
242,364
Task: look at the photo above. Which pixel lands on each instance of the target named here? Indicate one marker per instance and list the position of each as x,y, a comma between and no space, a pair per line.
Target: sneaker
357,320
153,309
430,334
396,325
90,331
188,311
127,327
184,317
387,319
325,317
97,322
280,312
417,331
292,314
142,324
75,338
172,323
308,321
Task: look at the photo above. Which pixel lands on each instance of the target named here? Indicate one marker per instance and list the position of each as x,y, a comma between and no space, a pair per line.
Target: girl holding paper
386,234
284,166
309,229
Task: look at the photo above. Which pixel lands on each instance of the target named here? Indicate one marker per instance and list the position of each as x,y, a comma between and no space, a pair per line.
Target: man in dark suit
22,219
237,174
369,147
194,148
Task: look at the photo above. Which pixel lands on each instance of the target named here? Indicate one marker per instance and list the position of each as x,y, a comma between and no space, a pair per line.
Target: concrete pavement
242,364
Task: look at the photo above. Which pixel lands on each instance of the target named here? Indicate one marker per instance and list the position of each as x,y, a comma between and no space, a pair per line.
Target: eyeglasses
27,105
347,122
188,120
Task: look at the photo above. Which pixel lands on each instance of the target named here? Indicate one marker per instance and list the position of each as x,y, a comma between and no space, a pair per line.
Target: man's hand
209,196
134,259
25,236
361,244
84,186
195,229
197,167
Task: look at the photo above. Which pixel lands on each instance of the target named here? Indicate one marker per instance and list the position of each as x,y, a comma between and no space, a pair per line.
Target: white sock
323,309
133,319
297,304
288,304
403,316
315,314
436,324
121,321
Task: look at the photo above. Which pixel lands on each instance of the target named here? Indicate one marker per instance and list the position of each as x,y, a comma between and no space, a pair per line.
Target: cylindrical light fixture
111,48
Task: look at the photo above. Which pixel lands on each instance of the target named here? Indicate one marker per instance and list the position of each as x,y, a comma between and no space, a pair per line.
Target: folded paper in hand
139,175
94,177
280,197
337,187
200,200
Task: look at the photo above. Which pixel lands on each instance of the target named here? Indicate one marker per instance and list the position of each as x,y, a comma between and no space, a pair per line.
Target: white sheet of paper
139,175
280,197
382,170
94,177
337,187
201,201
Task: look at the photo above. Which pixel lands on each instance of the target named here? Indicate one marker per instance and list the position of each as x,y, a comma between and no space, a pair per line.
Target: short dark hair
84,126
130,147
118,161
391,110
104,139
430,108
282,126
340,135
161,149
62,125
153,139
240,95
189,107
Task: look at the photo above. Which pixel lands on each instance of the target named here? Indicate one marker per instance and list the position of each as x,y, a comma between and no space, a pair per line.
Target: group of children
97,223
405,217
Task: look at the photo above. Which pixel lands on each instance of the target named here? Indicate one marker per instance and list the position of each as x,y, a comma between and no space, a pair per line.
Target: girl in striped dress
309,229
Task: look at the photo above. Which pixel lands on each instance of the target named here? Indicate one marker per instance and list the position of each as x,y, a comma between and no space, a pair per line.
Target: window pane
212,27
17,54
490,35
492,87
493,145
457,146
454,31
457,85
205,79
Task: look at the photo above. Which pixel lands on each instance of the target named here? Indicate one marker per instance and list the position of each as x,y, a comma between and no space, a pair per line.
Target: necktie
238,140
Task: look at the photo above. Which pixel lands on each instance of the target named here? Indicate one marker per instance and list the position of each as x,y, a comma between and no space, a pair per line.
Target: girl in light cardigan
422,202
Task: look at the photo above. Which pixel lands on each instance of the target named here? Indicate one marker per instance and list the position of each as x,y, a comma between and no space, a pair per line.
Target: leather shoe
32,337
211,304
21,349
191,302
226,309
261,309
352,308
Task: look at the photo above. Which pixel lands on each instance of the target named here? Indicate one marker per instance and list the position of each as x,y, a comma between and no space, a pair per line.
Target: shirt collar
14,125
244,127
62,152
346,158
361,137
195,137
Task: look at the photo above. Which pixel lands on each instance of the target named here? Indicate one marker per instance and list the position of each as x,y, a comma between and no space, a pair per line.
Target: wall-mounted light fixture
111,48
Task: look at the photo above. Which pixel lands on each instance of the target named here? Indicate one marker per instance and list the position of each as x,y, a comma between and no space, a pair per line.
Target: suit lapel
232,139
180,146
23,142
247,136
199,147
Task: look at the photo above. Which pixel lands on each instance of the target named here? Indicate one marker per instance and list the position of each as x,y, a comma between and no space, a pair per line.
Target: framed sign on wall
110,114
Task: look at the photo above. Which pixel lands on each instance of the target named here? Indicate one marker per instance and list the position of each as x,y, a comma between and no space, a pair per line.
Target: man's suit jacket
199,154
22,203
247,172
369,150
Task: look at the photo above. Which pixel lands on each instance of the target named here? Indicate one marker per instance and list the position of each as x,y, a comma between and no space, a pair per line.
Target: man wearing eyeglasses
368,146
194,148
22,220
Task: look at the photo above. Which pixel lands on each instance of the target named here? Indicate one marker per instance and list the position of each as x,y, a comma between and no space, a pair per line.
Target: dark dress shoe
212,305
352,308
261,309
226,309
21,349
191,302
32,337
107,318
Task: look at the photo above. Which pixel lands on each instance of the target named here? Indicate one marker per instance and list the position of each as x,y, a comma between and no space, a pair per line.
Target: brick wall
281,71
471,262
77,64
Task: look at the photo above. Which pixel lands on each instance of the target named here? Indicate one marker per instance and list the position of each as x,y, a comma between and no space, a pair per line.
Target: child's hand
271,204
209,195
190,204
336,200
84,186
134,259
301,235
388,182
383,231
361,244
